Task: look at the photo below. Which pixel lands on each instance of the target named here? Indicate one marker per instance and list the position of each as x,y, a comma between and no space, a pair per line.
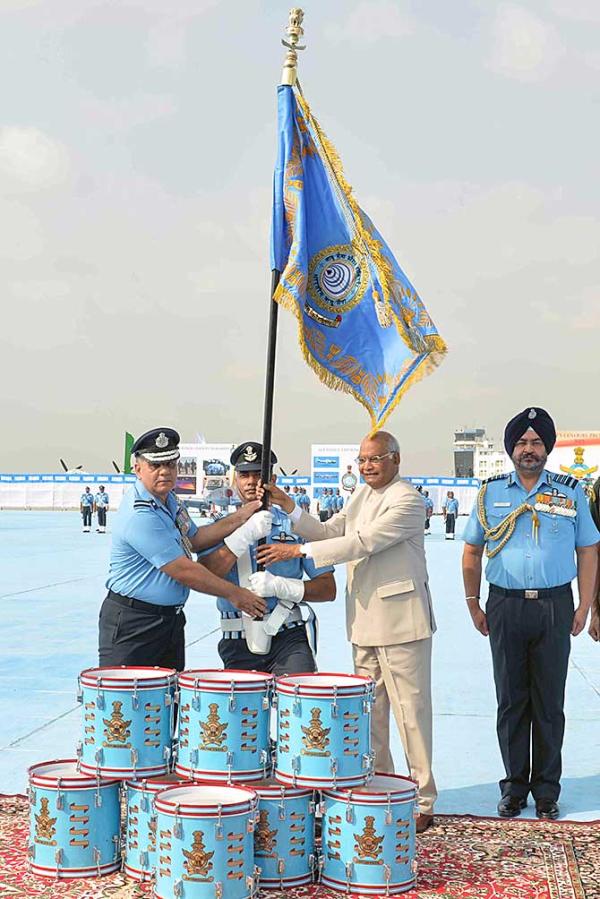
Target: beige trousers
402,674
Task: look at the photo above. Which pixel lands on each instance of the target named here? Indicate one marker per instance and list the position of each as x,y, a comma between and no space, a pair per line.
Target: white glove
263,583
259,525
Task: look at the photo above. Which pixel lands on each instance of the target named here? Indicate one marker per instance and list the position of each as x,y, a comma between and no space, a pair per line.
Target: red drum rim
274,883
77,780
219,777
155,782
374,889
74,873
270,788
167,801
124,773
220,680
319,783
366,795
322,683
137,873
273,788
146,677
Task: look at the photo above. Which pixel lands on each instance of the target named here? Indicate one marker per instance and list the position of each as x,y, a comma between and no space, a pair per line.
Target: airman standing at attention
538,534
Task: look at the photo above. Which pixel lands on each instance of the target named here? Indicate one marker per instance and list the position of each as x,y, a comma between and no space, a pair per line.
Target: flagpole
289,76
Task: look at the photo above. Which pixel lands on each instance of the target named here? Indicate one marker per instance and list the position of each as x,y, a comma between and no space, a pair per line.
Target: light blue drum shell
140,844
284,833
370,840
352,723
243,734
78,828
229,861
143,722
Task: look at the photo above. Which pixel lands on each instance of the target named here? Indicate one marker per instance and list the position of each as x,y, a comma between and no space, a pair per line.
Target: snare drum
139,851
284,837
206,848
128,721
224,725
369,837
74,822
324,730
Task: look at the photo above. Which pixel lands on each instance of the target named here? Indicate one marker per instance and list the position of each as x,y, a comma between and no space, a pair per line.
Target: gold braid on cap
503,531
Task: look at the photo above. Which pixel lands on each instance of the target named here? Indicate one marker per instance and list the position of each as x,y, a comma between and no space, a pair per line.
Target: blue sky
137,141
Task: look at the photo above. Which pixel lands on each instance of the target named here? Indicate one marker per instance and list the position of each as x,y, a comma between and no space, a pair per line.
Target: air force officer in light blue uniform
538,534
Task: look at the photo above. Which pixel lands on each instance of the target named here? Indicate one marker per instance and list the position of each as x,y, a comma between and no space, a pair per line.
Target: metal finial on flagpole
294,32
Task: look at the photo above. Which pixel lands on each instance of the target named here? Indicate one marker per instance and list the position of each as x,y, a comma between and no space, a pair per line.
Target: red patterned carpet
484,858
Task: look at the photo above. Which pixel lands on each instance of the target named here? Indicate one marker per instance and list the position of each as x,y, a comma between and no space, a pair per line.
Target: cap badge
250,455
162,440
532,414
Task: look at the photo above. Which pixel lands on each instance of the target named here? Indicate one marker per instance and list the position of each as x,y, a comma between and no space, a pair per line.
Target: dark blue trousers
530,642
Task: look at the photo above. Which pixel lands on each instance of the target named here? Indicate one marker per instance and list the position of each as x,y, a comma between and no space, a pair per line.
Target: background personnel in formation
428,510
151,568
450,510
538,533
283,642
101,504
388,605
86,505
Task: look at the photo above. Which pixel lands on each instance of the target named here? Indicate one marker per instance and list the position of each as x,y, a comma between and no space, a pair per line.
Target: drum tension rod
60,796
219,824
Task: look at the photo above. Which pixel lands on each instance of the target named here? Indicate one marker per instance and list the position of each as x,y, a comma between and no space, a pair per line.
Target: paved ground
51,588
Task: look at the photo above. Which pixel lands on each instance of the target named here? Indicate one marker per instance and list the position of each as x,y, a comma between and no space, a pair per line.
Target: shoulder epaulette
566,479
496,477
144,504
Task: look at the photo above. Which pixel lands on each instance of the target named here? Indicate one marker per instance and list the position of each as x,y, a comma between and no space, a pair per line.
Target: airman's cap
248,457
157,445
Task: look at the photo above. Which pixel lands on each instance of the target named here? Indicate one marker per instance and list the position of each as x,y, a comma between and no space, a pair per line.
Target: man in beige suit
389,616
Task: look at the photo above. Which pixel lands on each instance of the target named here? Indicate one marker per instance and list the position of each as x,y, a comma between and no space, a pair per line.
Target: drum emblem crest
315,737
116,728
198,862
368,844
213,732
264,839
44,826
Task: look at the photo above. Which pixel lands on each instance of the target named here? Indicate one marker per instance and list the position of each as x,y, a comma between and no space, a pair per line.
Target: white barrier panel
58,492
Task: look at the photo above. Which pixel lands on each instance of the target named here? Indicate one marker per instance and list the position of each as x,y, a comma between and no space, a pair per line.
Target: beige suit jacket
380,534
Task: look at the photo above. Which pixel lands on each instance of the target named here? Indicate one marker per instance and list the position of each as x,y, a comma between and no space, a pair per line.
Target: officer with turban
537,532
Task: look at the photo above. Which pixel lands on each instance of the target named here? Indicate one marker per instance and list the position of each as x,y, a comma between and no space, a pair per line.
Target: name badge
502,505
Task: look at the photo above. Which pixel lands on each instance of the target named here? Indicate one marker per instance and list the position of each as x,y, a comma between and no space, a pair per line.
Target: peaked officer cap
248,457
157,445
535,418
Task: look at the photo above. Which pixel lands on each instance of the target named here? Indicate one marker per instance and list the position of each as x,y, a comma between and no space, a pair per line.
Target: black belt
542,593
152,607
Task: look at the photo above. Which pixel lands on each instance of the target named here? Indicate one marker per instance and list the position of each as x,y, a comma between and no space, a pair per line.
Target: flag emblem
336,280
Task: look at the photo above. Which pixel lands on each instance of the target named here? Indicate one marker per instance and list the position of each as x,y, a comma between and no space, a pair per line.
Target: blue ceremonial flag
362,325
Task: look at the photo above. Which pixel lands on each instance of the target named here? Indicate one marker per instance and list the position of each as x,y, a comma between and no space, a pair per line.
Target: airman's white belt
271,625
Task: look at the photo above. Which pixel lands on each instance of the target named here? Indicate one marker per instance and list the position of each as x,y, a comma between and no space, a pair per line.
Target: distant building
475,455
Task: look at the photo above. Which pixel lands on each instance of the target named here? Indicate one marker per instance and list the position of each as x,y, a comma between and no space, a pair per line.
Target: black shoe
511,806
546,808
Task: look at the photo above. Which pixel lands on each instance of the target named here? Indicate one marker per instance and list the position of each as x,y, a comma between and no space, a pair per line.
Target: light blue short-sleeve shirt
532,561
451,506
145,537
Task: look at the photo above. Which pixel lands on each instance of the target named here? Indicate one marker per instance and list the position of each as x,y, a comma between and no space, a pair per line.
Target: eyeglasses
362,460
